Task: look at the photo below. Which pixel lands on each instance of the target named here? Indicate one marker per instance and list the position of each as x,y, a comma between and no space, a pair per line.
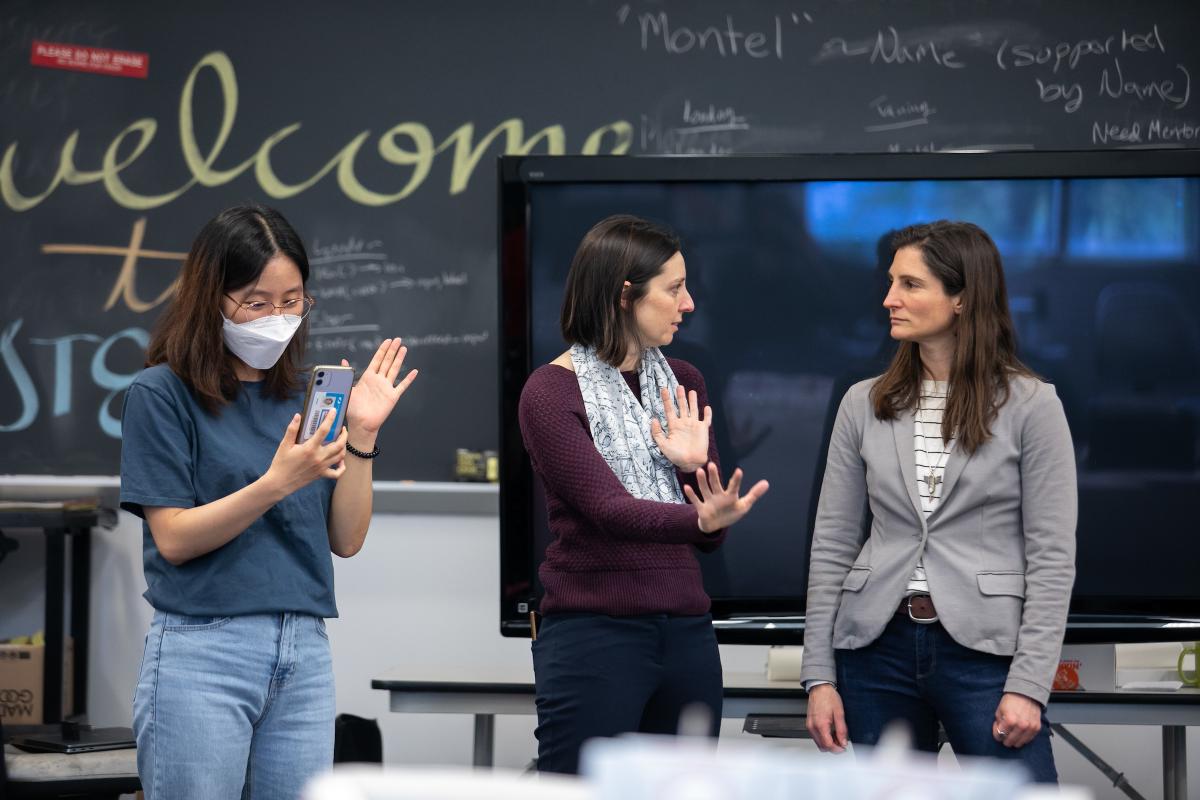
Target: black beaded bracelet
352,450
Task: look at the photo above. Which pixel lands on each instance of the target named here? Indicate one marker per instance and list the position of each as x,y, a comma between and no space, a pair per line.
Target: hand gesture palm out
685,442
719,507
376,392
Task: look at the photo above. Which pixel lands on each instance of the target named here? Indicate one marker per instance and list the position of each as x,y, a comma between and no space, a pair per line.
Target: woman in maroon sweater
622,439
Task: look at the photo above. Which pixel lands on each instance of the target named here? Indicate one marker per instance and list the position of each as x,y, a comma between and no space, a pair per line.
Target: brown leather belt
918,608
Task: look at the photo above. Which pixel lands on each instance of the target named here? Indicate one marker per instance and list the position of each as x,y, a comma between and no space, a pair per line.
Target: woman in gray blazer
944,549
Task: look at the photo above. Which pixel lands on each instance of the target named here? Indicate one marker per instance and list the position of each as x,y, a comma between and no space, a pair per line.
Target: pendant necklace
932,479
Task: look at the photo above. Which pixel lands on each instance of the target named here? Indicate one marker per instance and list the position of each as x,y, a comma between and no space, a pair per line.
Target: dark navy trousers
918,674
598,675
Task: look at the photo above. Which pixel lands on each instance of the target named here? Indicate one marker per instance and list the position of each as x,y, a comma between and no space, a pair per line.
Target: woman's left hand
376,393
685,442
1018,720
717,506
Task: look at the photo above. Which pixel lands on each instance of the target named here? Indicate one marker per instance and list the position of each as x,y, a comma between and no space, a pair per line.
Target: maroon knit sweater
612,553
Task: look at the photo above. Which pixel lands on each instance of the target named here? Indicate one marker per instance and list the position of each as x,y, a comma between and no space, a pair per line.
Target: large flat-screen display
786,259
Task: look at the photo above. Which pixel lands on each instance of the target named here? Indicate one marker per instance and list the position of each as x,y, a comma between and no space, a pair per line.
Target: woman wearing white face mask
235,694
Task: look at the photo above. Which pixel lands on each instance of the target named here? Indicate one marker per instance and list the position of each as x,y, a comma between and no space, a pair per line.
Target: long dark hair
228,254
617,249
965,260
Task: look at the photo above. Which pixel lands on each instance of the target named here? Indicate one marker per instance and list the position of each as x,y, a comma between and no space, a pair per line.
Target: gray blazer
999,550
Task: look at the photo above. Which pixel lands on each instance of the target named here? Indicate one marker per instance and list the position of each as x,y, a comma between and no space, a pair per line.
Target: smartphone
328,393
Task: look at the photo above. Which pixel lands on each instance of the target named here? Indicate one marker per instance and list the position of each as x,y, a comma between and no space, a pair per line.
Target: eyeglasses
298,306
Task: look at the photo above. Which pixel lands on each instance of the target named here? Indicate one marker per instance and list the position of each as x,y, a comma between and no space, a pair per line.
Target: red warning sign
82,58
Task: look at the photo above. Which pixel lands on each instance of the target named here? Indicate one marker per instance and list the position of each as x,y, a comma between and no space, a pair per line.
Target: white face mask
260,342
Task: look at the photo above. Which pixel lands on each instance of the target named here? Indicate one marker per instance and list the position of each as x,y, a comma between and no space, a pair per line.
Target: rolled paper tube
783,663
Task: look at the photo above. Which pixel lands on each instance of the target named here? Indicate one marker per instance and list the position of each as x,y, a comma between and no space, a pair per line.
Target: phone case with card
328,393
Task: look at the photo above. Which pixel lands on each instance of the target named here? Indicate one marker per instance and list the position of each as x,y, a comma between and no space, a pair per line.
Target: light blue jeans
230,707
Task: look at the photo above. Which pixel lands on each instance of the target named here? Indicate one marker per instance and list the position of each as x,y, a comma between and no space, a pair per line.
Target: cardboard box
1087,667
21,675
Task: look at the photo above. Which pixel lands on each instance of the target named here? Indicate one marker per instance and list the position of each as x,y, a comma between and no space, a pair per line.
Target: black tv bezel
1093,619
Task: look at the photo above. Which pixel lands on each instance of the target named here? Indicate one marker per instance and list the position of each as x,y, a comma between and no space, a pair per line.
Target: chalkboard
374,128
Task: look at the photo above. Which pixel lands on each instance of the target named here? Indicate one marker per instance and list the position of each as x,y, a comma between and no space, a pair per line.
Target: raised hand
719,507
297,465
376,392
685,442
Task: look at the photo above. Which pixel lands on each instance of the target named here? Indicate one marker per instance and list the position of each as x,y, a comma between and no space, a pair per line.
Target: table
106,773
751,693
58,525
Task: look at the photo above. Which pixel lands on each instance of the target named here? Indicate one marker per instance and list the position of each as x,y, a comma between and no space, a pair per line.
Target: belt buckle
919,620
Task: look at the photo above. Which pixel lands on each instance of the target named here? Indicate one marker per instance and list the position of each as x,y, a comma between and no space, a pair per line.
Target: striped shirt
931,455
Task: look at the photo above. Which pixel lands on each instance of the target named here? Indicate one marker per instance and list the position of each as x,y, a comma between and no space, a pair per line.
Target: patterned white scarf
620,424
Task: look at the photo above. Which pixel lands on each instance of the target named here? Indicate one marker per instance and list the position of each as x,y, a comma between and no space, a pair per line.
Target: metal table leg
485,728
1174,762
52,672
1118,778
81,590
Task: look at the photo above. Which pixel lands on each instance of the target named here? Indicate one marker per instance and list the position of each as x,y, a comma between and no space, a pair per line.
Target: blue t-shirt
176,454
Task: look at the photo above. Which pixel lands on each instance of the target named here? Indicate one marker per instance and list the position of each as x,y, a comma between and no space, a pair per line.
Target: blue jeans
598,675
918,674
230,707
